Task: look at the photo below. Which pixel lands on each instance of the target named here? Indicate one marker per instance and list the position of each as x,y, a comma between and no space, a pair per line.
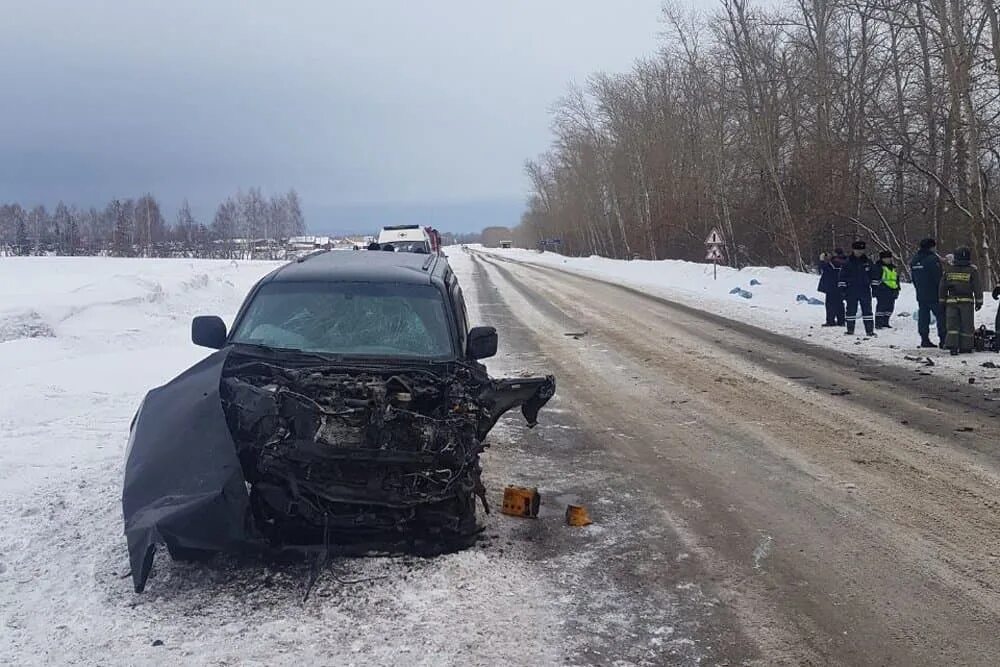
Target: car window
353,319
410,246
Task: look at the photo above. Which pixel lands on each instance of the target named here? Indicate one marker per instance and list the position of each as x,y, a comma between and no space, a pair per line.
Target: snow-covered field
81,341
774,306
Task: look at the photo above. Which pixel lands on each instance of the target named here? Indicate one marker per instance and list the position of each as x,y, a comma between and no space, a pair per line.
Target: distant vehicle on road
407,238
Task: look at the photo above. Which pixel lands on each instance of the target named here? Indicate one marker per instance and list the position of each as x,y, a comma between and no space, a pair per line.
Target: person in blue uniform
925,268
829,278
855,284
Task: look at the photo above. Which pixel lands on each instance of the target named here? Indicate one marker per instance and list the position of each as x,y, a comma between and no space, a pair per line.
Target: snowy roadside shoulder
783,301
81,341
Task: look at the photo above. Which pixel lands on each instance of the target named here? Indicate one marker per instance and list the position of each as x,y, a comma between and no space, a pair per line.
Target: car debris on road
521,501
577,515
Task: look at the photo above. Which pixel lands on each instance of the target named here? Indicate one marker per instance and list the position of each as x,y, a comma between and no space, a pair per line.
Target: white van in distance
406,238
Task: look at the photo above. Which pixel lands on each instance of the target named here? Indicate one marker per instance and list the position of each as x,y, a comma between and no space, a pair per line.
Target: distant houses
303,243
234,248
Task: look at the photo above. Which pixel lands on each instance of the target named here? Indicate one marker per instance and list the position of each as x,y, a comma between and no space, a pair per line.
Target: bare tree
127,227
792,130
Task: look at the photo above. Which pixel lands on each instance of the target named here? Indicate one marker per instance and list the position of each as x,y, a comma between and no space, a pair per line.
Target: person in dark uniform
961,293
996,295
829,279
886,290
925,267
856,285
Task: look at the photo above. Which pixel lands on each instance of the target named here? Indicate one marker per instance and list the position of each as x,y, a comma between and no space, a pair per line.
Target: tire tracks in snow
880,531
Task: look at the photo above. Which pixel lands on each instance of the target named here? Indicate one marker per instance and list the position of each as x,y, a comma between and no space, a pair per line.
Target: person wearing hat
886,289
961,293
925,268
829,277
856,281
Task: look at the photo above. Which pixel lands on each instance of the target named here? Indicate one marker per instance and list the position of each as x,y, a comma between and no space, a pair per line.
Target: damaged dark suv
343,414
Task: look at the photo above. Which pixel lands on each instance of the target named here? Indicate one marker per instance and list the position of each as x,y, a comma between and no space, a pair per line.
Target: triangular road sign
713,254
715,238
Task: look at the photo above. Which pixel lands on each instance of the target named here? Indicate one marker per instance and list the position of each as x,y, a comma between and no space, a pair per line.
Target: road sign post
714,243
713,256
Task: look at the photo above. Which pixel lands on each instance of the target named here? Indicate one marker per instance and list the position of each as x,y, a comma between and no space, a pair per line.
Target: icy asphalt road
842,511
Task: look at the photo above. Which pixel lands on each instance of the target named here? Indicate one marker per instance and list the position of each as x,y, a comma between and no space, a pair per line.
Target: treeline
245,224
452,238
792,130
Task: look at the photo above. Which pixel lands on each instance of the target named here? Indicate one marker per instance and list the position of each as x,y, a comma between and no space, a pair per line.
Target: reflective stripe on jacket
960,284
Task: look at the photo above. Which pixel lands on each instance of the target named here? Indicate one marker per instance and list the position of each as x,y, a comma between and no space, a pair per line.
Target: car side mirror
208,331
482,343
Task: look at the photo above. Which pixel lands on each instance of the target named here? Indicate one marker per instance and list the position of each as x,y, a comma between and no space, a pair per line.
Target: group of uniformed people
950,290
850,282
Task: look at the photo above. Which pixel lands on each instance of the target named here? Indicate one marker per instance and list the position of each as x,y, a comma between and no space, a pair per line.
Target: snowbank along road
756,500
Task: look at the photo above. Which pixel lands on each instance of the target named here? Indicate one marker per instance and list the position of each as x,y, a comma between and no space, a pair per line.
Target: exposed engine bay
329,458
341,455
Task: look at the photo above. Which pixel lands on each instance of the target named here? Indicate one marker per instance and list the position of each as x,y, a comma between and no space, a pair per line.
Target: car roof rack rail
429,262
310,255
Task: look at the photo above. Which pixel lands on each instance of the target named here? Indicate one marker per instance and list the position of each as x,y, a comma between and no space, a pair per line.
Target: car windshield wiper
338,358
292,352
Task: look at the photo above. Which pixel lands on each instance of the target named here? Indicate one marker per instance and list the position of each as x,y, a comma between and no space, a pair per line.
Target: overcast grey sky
371,109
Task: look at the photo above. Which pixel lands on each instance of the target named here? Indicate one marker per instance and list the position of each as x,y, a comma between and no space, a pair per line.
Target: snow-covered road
847,511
